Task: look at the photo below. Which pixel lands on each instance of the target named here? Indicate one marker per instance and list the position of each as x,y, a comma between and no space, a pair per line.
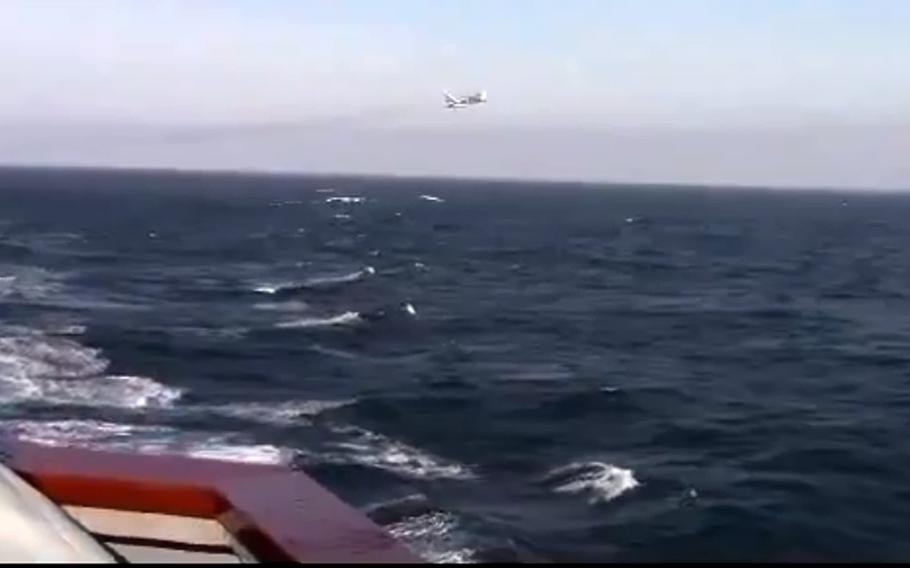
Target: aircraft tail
449,98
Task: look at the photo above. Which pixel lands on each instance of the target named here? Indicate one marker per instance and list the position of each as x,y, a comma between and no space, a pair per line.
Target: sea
492,371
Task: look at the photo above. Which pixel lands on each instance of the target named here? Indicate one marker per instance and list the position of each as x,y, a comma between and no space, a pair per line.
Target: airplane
463,102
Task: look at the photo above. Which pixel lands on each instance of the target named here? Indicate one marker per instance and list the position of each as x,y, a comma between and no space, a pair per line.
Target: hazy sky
786,92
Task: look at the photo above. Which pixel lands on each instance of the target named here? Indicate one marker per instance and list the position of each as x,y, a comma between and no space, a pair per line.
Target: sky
742,92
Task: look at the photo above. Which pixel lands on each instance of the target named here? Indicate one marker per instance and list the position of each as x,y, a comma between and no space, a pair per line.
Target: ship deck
166,509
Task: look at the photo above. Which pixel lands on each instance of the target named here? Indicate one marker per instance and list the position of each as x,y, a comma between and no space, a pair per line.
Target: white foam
409,308
61,371
342,216
345,199
432,198
27,361
152,440
258,454
364,272
434,537
269,288
326,190
601,482
316,282
114,391
375,450
347,318
84,433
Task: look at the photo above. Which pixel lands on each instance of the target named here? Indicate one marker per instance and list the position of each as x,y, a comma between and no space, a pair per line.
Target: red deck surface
277,513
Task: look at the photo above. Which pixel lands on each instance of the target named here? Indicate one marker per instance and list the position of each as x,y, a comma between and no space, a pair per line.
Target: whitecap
347,318
355,276
435,537
601,482
114,391
263,454
432,198
83,433
61,371
315,282
375,450
149,440
269,288
345,199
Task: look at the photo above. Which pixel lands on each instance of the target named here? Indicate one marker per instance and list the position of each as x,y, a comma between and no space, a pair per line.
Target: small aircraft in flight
464,102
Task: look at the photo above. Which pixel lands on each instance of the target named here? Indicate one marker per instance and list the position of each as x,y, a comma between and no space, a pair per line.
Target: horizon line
503,179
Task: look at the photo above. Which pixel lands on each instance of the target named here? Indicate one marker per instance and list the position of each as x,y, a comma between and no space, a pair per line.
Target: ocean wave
72,329
55,370
398,510
280,414
345,319
271,288
315,283
340,199
265,454
29,283
75,432
143,439
355,276
224,333
601,482
432,198
289,306
435,537
115,391
370,449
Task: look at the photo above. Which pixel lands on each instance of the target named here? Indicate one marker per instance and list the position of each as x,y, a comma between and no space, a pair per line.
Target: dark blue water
493,372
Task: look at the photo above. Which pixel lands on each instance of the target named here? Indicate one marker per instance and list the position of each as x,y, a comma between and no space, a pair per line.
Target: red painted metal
276,513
